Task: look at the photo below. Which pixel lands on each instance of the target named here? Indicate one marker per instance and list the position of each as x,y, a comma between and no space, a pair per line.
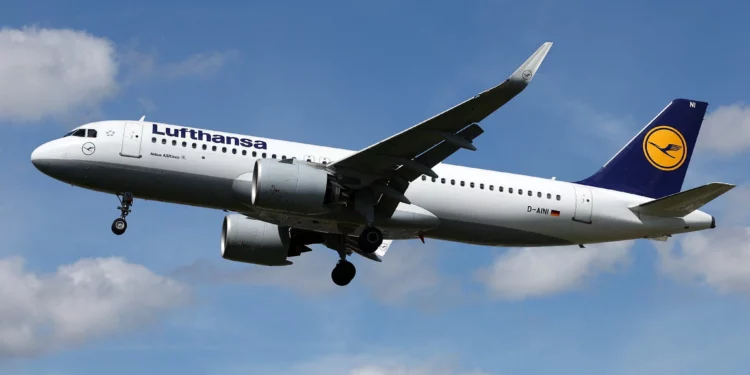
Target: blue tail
654,163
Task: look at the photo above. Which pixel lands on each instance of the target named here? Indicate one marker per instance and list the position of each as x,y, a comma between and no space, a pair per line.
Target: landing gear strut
120,225
344,271
370,239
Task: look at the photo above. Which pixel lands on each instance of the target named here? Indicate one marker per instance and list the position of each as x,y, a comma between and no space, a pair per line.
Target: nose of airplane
40,157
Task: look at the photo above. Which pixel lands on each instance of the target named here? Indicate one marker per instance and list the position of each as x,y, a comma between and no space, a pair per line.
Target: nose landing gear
120,225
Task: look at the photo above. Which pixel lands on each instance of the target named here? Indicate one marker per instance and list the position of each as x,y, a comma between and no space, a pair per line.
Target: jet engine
288,186
253,241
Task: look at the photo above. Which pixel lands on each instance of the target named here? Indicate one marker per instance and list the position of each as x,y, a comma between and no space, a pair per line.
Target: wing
455,127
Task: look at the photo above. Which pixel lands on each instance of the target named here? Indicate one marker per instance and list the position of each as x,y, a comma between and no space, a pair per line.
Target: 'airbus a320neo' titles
286,196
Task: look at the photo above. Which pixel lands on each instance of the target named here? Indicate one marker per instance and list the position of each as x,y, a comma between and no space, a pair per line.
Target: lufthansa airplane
285,196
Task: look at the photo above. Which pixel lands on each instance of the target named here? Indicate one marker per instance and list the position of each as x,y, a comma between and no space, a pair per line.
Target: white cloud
534,272
720,259
200,64
53,72
726,130
80,302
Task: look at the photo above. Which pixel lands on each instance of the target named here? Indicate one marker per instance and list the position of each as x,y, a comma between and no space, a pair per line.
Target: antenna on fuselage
142,118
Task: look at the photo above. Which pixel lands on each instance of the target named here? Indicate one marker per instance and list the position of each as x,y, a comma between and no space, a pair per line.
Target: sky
75,299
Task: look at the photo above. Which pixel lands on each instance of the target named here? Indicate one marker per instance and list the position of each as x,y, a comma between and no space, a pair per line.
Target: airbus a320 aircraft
287,196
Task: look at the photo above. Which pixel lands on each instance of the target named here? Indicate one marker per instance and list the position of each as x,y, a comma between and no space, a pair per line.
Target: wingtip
526,72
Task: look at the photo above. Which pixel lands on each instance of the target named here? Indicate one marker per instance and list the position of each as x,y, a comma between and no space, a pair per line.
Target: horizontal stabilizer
681,204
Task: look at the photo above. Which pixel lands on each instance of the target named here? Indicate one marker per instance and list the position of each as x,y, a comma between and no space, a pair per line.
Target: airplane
282,197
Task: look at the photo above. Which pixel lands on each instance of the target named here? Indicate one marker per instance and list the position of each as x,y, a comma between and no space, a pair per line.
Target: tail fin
654,163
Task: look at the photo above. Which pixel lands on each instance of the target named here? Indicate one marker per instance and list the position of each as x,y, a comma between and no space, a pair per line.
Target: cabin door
131,139
584,204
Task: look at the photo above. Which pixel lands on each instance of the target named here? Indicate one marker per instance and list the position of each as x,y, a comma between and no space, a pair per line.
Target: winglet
526,72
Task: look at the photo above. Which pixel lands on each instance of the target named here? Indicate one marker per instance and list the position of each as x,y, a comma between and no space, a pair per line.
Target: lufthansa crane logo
88,148
665,148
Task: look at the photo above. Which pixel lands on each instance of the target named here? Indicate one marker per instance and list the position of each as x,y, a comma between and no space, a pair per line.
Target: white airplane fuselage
198,167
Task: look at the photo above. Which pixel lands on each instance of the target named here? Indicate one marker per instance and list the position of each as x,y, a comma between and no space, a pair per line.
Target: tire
343,273
370,240
119,226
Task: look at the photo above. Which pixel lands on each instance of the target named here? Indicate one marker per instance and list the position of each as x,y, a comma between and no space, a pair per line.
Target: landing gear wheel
370,239
343,273
119,226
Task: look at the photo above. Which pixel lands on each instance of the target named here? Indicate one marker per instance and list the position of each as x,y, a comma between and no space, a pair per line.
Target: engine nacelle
291,186
253,241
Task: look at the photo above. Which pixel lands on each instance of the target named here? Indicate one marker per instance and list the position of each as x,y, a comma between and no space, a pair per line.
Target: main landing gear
368,241
344,272
120,225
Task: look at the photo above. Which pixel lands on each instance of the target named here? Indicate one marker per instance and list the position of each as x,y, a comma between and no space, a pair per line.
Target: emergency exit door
584,204
131,139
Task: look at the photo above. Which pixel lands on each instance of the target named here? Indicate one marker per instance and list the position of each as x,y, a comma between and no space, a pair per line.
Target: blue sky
78,300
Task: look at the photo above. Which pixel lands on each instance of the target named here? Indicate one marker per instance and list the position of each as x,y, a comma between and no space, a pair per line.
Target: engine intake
292,186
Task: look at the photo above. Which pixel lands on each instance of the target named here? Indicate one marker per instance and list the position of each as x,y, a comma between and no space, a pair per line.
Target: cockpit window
79,133
68,133
91,133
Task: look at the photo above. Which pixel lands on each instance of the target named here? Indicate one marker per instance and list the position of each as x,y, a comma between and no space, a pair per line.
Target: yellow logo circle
665,148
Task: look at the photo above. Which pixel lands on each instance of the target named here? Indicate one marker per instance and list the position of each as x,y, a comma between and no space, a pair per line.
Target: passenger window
492,187
531,193
481,186
244,152
195,145
471,184
184,144
453,182
174,143
234,151
153,140
213,148
520,191
92,133
224,149
79,133
273,156
424,178
283,157
264,155
204,147
255,154
462,183
510,190
442,180
434,179
558,197
539,194
500,189
163,141
549,196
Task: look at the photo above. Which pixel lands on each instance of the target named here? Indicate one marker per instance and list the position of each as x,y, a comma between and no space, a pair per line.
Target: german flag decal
555,213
